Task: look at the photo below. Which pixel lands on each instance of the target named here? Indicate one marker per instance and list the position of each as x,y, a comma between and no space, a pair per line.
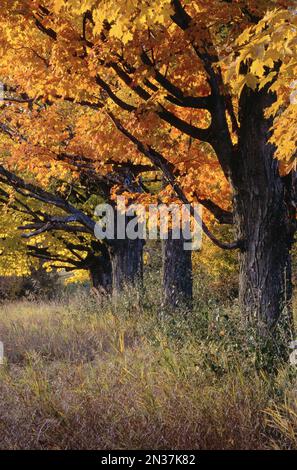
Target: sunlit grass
79,374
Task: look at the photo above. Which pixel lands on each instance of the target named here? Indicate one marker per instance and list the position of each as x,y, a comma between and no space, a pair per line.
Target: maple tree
190,87
63,241
79,256
51,138
54,246
270,49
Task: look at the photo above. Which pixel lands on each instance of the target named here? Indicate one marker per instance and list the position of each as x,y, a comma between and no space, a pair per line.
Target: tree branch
157,159
27,189
176,96
205,135
221,215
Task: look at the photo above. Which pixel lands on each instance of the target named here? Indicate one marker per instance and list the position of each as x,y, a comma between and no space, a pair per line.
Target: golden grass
80,375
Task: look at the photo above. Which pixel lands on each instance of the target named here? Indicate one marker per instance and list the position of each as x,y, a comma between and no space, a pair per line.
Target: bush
10,287
217,268
39,285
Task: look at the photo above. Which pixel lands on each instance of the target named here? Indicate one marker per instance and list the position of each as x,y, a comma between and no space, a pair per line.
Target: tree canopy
203,92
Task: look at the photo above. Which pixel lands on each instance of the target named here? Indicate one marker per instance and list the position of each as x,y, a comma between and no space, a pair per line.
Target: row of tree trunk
121,265
264,215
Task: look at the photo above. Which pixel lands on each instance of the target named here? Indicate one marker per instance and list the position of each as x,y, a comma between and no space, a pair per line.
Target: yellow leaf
58,4
251,80
257,68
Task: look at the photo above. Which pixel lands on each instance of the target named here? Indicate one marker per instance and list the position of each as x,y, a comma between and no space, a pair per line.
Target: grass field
78,374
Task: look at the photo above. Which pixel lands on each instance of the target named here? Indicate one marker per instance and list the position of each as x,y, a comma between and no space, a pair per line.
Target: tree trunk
100,270
127,263
262,217
177,273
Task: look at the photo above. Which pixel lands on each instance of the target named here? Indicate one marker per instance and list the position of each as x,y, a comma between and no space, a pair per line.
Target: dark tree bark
127,263
177,273
262,216
100,270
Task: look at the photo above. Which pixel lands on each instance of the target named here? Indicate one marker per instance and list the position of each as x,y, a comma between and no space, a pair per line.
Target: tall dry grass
81,375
